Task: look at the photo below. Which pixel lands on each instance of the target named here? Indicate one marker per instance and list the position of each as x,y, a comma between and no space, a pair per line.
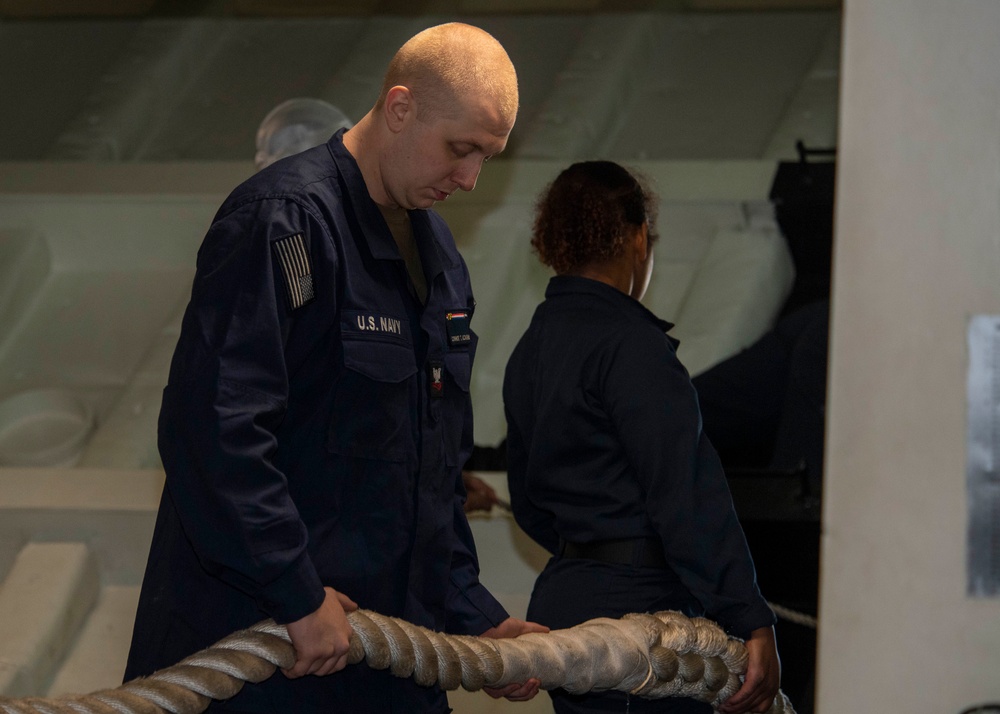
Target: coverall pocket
375,402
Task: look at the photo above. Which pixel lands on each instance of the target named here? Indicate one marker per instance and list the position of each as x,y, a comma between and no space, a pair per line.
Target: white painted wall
917,252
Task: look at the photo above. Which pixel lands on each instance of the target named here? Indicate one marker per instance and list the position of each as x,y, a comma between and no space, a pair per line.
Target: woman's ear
641,245
642,268
398,104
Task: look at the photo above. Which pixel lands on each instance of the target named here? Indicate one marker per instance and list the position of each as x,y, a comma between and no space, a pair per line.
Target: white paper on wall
983,457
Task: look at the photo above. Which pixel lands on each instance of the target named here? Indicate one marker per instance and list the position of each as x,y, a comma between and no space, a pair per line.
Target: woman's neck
614,273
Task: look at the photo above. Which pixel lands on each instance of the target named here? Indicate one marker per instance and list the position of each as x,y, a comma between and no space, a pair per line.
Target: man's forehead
470,135
484,143
483,127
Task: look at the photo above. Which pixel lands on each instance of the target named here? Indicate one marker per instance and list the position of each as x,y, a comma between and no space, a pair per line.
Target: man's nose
467,174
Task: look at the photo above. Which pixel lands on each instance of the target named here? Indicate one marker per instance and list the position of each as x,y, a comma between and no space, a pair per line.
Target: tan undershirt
399,224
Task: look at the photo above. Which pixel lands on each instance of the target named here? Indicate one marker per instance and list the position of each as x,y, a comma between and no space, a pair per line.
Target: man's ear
398,104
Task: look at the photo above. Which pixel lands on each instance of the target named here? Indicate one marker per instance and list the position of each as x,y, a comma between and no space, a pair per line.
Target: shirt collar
376,232
576,285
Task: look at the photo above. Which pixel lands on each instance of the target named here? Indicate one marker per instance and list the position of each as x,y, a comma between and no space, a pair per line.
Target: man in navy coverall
317,414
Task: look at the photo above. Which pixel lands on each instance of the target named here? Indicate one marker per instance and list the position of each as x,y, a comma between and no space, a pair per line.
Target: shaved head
448,103
445,63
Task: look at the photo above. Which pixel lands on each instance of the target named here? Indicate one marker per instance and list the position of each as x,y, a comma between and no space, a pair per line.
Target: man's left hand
515,692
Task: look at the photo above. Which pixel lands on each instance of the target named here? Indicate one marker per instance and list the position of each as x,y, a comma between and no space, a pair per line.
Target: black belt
637,552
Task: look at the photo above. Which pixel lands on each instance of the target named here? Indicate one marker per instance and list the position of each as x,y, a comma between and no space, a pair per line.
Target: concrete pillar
917,253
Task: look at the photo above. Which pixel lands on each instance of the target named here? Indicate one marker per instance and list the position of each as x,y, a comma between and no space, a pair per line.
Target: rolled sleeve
294,594
471,608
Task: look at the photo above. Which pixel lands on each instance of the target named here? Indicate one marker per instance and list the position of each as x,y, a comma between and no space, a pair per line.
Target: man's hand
480,496
515,692
763,676
322,638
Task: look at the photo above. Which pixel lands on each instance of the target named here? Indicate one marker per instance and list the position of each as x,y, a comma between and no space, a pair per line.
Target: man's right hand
322,638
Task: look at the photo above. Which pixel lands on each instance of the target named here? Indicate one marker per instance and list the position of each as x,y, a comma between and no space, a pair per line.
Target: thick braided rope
652,656
799,618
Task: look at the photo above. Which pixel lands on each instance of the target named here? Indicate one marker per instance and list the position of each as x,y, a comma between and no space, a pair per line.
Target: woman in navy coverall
608,467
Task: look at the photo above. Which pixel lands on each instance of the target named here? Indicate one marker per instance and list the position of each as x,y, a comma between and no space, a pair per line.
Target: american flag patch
294,261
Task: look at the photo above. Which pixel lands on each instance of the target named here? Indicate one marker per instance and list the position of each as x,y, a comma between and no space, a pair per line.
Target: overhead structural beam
160,64
41,9
591,91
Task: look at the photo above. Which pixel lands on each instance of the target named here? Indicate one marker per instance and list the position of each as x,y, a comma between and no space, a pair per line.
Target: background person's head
294,126
596,213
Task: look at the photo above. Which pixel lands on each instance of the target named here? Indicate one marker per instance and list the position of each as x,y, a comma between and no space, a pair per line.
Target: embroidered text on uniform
373,323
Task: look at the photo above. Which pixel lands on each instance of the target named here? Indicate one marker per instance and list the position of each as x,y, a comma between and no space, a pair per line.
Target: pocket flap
380,360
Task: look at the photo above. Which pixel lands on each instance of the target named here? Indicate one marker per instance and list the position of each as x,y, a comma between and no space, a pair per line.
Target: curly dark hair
585,215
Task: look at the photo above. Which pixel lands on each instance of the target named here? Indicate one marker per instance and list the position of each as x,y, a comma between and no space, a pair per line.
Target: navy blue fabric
604,441
302,447
570,591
